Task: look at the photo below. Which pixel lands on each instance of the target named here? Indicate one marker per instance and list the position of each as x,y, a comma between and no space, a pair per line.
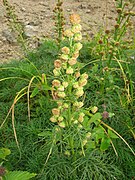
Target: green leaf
4,152
34,92
112,135
105,142
95,118
99,133
18,175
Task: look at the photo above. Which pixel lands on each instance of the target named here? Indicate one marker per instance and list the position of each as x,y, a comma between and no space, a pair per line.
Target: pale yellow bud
65,50
57,63
78,46
75,19
60,119
69,70
76,28
67,153
65,84
65,105
53,119
78,37
61,94
62,124
56,72
76,85
61,88
77,74
80,104
88,135
64,57
84,75
55,111
68,33
82,82
56,83
79,92
94,109
72,61
76,54
84,142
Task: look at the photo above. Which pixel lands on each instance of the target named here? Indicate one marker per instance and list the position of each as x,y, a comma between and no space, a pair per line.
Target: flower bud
65,50
56,72
84,142
69,70
88,135
61,94
64,57
65,84
56,83
79,92
65,106
62,124
82,82
68,33
55,111
72,61
60,119
94,109
77,46
75,85
77,28
75,19
77,74
57,63
67,153
84,75
78,37
61,88
53,119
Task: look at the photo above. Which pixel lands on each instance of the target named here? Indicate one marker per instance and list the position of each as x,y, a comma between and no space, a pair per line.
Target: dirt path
36,16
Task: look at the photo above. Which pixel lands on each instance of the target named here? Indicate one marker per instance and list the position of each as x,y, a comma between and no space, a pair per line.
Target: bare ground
37,17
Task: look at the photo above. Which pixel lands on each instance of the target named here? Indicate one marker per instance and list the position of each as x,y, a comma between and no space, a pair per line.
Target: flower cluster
68,84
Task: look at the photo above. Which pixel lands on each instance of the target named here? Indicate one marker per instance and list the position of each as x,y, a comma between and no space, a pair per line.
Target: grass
34,148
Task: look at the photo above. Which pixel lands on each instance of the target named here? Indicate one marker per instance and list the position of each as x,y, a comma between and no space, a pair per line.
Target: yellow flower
81,117
57,63
55,111
75,19
61,94
78,37
60,119
79,92
53,119
65,84
61,88
82,82
56,83
75,85
94,109
88,135
56,72
84,75
68,33
62,124
69,70
76,28
64,57
77,74
65,50
72,61
78,46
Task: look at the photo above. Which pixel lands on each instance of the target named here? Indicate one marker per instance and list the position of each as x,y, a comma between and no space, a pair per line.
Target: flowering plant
77,128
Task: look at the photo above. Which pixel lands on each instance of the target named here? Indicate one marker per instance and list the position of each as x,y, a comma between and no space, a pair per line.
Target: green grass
34,149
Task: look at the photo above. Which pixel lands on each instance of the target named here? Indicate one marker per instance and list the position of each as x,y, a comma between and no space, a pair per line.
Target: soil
37,18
